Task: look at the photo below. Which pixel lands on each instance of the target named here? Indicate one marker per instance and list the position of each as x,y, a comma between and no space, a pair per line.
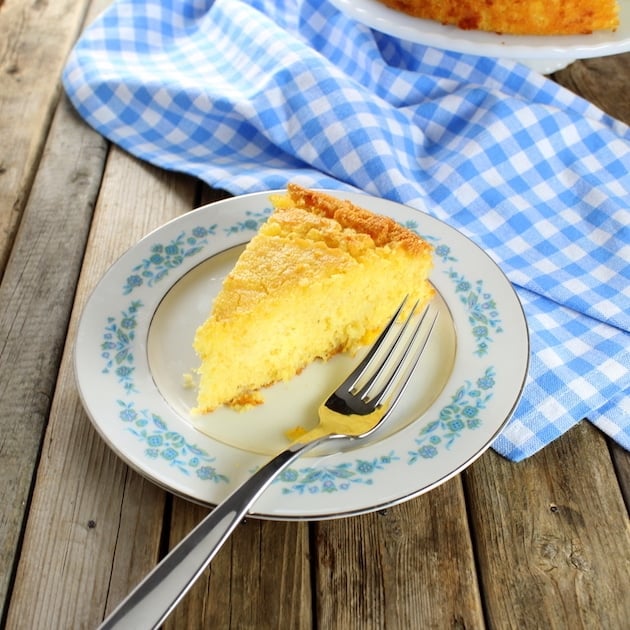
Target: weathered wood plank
38,287
552,536
621,459
412,567
36,38
80,482
603,81
260,579
36,296
139,536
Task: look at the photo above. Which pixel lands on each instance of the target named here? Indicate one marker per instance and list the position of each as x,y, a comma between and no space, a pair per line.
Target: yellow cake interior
322,276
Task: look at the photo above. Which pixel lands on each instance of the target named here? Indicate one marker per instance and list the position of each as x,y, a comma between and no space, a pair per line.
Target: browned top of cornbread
518,17
382,230
310,232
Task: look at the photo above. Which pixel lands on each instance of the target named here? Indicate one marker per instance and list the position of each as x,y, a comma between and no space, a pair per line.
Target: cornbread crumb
322,276
296,433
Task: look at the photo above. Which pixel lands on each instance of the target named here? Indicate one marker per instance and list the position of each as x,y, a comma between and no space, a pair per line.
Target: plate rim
286,514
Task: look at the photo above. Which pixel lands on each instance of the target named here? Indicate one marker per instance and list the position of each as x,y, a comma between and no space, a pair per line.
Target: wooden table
540,544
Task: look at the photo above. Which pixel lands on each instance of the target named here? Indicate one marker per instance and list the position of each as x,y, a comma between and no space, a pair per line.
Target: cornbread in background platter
517,17
322,276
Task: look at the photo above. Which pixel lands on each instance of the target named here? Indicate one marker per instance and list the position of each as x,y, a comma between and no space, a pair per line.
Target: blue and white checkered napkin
250,95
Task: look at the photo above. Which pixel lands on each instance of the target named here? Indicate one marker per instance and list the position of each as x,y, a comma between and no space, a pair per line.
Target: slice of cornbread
517,17
321,276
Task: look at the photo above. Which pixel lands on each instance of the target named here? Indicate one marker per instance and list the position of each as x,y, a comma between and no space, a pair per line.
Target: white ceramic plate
543,53
134,347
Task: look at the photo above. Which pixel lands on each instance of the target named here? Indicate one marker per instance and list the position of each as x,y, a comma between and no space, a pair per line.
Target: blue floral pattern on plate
164,258
123,399
119,336
453,420
461,414
483,314
338,478
117,346
251,223
170,446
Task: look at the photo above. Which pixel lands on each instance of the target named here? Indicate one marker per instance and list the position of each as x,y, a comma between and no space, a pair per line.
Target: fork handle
150,603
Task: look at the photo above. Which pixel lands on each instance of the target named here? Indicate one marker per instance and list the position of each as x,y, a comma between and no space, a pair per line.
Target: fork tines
397,350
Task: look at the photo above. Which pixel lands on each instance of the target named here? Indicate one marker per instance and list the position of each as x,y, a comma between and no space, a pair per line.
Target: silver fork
354,411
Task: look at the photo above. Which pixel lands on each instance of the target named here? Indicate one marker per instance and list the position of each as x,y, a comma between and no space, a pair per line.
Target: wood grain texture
411,567
35,40
541,544
80,481
36,296
139,536
621,460
604,81
259,580
552,536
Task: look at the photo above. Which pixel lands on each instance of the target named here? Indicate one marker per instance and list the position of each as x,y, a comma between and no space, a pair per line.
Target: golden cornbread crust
383,230
322,276
517,17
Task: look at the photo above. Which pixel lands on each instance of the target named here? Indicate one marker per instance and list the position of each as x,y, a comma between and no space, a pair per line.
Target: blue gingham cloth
250,95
